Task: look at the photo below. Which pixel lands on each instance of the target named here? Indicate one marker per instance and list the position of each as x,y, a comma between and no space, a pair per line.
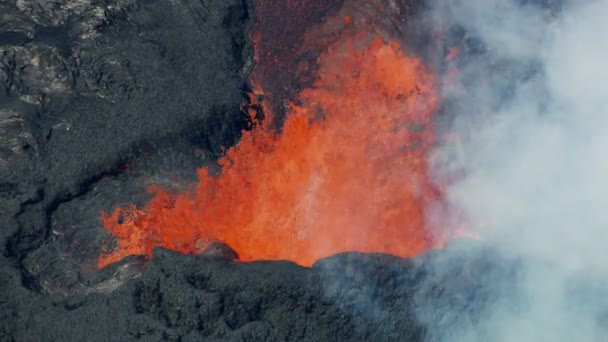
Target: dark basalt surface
95,90
348,297
99,99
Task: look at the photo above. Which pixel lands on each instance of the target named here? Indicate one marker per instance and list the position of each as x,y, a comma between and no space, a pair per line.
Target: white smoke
536,163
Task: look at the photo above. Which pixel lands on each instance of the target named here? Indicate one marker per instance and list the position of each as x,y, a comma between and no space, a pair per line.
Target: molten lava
348,172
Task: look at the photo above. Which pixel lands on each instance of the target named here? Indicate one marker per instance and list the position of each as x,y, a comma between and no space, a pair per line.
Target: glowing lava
348,172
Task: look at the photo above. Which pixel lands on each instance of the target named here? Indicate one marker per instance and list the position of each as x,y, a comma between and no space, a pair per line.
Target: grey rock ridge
98,100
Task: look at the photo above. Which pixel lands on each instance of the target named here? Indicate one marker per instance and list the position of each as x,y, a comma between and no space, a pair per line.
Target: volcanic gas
347,171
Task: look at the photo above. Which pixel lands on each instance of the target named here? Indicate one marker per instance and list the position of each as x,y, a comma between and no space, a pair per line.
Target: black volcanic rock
97,100
221,251
348,297
89,87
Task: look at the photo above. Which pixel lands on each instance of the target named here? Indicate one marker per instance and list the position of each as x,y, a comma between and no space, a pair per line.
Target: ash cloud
530,110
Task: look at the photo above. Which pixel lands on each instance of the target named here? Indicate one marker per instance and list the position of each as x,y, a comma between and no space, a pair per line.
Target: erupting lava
348,172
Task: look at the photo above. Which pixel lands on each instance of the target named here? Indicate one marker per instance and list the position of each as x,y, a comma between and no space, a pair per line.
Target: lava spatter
348,172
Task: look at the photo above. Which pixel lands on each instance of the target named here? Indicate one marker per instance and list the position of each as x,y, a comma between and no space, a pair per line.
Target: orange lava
348,172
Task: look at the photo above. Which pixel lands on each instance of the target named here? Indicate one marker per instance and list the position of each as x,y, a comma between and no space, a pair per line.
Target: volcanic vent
344,170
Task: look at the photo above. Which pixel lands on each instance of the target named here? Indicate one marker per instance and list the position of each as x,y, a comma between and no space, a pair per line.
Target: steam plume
533,125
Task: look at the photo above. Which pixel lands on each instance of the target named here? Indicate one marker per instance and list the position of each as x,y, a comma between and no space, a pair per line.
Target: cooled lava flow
347,172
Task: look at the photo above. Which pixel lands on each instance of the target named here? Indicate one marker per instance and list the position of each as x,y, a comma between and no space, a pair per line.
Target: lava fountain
347,171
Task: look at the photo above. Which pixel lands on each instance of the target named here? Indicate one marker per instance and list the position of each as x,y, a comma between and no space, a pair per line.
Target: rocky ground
99,99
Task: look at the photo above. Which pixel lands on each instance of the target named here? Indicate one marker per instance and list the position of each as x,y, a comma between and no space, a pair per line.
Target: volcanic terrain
230,170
